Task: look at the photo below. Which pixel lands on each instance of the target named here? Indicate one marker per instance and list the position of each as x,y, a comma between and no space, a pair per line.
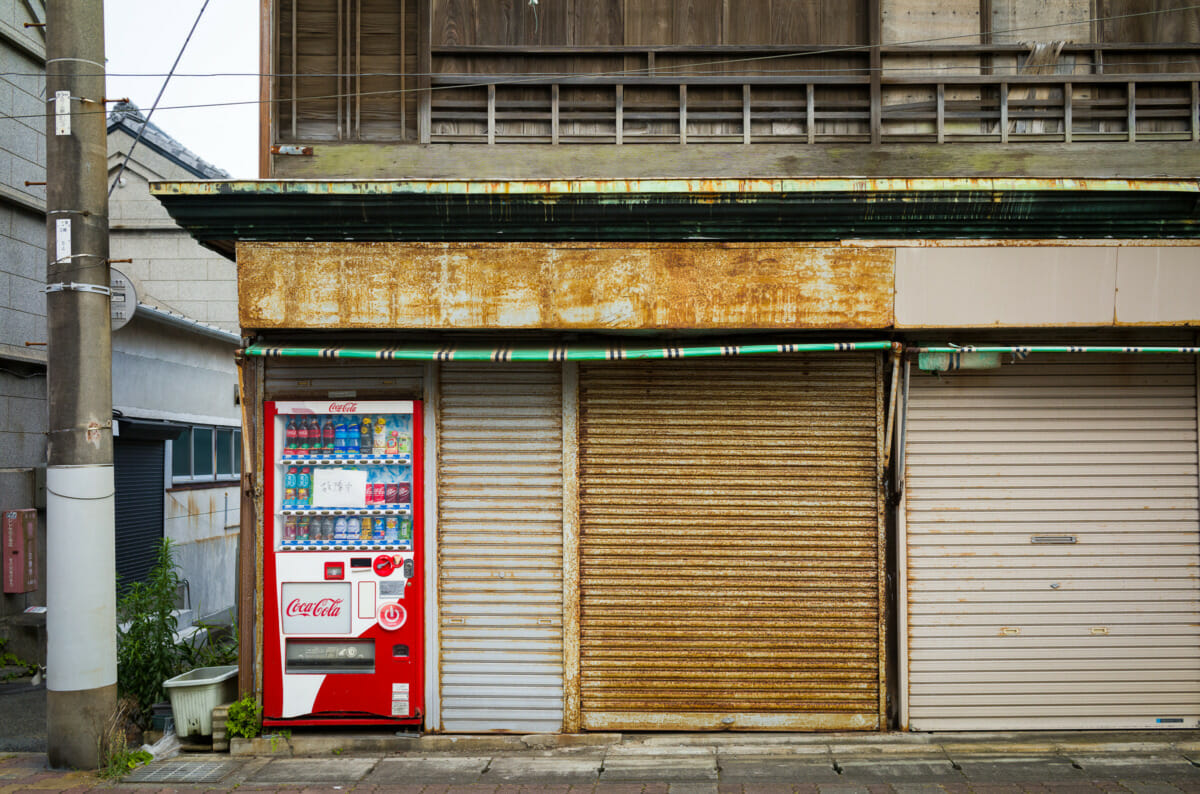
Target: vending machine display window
347,481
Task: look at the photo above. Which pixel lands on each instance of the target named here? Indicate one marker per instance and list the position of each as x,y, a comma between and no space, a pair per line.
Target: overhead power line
142,129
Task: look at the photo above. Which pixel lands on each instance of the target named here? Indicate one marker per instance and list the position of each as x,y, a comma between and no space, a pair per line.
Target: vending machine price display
345,481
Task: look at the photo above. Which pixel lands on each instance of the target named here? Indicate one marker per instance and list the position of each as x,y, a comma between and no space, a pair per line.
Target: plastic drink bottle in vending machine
379,436
341,435
365,436
304,487
339,528
328,437
314,435
289,487
290,436
364,532
289,528
302,528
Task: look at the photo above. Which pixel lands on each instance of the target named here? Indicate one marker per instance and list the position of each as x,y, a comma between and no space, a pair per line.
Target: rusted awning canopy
748,210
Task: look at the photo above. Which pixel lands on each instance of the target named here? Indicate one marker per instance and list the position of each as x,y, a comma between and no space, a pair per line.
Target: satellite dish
124,299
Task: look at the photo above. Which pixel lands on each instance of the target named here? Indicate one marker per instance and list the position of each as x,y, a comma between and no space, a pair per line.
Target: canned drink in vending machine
365,529
406,529
391,493
289,528
391,529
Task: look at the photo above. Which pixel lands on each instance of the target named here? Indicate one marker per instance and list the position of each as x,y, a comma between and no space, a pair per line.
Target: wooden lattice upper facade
733,72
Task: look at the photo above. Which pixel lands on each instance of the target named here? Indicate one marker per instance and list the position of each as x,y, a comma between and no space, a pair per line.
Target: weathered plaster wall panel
1158,286
572,285
1018,286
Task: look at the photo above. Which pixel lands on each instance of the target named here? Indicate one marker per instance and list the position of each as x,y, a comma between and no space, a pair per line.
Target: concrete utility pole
81,656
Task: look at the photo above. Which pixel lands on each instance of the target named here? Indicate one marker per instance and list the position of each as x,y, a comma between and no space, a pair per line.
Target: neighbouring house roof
128,117
219,213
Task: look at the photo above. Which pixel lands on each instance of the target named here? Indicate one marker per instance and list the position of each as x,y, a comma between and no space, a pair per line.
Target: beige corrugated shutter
500,548
729,544
1052,545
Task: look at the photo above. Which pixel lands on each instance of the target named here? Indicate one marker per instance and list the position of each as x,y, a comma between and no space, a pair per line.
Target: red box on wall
20,551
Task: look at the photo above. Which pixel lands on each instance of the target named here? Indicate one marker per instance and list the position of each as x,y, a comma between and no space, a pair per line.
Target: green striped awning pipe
555,353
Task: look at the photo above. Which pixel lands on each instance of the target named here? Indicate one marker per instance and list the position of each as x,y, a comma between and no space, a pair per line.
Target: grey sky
143,37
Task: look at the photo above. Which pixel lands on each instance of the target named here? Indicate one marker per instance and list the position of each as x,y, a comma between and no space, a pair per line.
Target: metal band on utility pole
81,664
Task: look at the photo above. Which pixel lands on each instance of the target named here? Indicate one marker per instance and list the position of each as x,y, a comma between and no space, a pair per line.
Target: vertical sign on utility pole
81,660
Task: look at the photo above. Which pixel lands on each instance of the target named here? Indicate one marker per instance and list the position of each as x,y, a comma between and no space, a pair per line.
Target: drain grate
181,772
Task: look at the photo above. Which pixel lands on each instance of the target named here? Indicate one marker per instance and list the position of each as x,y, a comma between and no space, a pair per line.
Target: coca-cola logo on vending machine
325,608
343,408
315,607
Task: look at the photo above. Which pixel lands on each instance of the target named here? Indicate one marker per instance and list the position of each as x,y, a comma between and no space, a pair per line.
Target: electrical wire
658,71
154,107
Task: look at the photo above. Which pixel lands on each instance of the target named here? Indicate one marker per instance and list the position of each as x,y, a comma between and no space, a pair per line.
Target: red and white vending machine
344,623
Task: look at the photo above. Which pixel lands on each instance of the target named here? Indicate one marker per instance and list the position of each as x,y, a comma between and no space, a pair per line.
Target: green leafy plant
20,667
117,744
123,762
213,647
146,650
244,718
278,739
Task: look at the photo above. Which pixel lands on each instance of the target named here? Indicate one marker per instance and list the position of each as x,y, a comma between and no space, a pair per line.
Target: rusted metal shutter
1053,556
730,566
500,548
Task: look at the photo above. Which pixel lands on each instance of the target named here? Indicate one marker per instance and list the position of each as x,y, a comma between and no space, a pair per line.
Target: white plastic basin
196,693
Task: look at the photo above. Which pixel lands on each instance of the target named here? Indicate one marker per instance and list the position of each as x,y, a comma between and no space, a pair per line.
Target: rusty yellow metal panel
729,545
563,285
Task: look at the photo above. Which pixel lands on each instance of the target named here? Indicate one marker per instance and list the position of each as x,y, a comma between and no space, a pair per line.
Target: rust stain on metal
563,286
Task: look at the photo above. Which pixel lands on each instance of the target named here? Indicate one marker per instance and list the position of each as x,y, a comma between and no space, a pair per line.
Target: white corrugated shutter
500,548
1052,545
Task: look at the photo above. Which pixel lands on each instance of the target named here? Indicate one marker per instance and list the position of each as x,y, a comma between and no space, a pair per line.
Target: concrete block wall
170,269
22,278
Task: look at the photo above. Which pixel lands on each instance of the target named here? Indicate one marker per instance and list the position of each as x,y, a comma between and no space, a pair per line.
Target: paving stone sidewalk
672,764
